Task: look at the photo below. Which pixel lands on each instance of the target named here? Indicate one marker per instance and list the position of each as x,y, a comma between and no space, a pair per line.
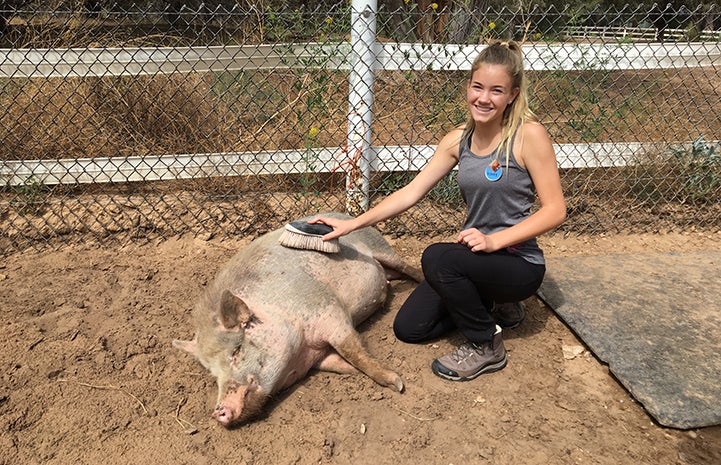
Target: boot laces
465,350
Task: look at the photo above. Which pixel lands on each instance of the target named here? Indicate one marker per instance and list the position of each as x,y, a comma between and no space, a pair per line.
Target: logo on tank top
494,171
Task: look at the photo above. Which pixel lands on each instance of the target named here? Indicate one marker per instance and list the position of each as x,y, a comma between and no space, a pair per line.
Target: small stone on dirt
571,352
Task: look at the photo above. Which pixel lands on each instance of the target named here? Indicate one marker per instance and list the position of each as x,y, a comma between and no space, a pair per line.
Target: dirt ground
89,376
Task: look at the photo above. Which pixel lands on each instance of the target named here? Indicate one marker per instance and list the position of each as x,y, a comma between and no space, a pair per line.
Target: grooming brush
307,236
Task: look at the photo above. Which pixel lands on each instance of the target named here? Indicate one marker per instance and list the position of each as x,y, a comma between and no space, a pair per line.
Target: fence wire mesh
123,122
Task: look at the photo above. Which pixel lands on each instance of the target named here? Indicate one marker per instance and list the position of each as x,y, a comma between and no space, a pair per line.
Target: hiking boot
472,359
509,315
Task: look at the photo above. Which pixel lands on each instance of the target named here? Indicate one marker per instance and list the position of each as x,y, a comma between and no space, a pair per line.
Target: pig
274,313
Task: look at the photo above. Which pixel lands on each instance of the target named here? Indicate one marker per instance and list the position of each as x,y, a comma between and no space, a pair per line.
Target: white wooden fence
62,63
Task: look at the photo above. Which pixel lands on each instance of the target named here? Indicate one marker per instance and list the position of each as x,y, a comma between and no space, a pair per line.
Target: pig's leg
353,351
336,364
396,268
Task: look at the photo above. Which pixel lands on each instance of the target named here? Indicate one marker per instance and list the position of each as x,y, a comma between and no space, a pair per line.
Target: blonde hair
517,112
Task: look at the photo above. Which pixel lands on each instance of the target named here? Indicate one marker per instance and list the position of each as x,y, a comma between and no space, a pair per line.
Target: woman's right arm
442,162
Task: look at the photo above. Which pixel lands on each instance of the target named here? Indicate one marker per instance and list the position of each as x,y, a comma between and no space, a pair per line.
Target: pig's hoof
398,384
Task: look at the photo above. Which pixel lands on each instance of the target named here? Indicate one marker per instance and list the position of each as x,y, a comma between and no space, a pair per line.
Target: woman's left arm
537,154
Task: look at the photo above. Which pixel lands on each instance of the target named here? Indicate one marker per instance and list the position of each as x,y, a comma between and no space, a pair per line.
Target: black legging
460,289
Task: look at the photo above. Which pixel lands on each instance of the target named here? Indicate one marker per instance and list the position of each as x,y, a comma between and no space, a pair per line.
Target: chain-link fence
231,119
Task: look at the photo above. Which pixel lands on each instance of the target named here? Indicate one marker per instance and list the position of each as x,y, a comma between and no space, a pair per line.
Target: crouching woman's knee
407,331
434,258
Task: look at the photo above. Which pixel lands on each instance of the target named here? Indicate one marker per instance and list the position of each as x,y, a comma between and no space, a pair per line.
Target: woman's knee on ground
406,331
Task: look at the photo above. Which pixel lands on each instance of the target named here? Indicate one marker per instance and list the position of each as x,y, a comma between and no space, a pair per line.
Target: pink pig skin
273,313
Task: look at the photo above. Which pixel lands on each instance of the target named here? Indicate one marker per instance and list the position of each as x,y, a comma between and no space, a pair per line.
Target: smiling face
489,93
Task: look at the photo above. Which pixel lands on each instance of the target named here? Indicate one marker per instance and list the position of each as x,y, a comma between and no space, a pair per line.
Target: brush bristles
306,242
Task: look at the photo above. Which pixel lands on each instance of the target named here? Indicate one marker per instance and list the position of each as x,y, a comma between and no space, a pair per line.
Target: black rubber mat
655,319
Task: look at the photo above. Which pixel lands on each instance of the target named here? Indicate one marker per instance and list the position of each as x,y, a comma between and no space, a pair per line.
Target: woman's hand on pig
340,227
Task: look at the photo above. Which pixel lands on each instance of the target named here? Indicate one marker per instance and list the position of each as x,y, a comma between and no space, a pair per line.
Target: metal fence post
360,104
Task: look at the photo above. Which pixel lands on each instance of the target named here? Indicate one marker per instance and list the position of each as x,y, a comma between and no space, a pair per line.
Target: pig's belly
300,365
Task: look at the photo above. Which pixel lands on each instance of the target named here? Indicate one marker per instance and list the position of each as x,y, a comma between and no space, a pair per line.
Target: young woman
505,158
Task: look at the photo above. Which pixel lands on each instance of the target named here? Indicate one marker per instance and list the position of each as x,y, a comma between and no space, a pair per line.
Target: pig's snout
225,415
229,409
241,401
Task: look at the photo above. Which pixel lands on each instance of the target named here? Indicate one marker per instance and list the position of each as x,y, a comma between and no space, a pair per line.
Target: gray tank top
499,204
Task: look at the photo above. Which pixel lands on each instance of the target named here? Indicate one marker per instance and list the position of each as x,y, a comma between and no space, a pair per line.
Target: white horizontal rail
552,57
319,160
97,62
623,32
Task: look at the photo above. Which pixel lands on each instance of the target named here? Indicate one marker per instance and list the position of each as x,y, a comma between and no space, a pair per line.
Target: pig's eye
236,356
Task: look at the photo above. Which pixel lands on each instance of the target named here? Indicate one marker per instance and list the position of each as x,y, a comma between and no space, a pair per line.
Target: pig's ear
234,313
188,346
